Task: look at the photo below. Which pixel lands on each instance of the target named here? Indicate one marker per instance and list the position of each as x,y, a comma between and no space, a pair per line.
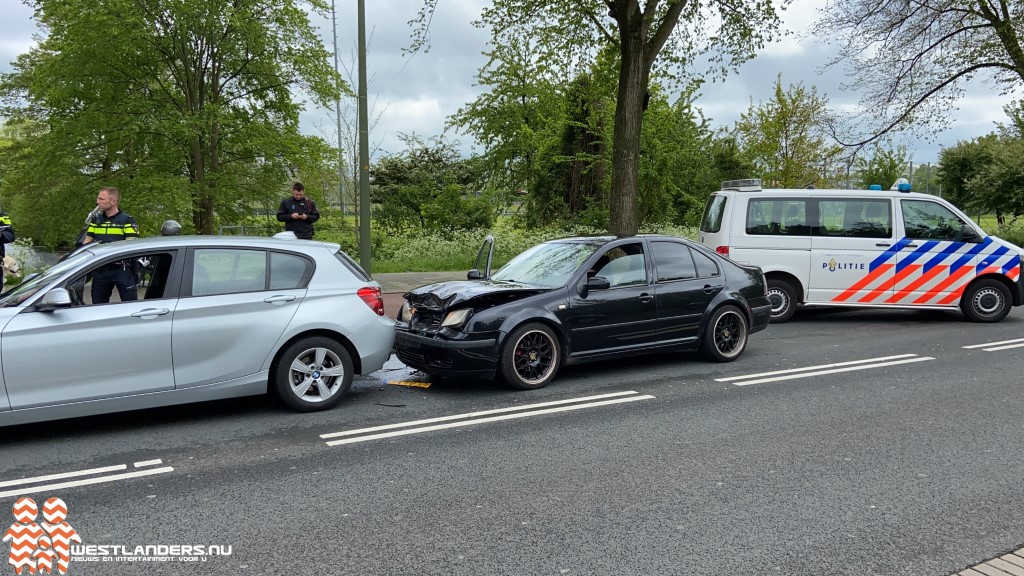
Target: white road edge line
485,420
474,414
145,463
998,348
86,482
993,343
63,475
795,370
834,371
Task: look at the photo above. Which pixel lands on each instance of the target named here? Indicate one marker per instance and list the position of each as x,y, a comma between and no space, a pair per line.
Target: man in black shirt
298,213
112,225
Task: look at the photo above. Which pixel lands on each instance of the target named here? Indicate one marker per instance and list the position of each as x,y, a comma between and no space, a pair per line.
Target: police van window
673,261
777,217
927,220
713,213
228,271
855,217
288,271
706,267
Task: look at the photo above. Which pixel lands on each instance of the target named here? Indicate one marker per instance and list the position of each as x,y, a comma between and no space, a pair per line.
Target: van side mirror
969,236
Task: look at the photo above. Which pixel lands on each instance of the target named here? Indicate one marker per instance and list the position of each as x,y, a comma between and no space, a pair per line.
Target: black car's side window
623,265
706,267
672,261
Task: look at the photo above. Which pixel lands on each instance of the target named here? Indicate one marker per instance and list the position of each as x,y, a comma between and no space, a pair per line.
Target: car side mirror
970,236
474,274
598,283
54,299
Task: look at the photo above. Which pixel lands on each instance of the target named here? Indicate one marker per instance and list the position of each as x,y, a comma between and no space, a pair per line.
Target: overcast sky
414,95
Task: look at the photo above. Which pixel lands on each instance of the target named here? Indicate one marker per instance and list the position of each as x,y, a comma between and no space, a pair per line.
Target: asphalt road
902,456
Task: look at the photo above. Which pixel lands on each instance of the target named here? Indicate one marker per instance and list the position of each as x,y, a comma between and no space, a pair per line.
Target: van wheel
725,336
986,300
530,357
783,298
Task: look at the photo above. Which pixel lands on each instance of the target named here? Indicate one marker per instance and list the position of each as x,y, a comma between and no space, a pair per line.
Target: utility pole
364,150
337,115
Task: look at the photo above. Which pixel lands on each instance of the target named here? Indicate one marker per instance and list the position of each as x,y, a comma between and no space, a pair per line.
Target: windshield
549,264
26,290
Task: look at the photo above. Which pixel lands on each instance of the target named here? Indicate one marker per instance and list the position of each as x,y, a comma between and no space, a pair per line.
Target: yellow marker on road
410,383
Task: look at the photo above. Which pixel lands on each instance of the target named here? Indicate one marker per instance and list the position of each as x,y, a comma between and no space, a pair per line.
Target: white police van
866,248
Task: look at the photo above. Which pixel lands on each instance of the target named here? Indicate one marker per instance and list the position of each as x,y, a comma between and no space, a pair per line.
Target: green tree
959,165
910,61
882,166
659,37
186,105
786,138
926,178
430,187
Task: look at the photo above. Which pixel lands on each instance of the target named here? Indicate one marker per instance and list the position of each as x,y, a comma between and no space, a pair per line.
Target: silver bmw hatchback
215,317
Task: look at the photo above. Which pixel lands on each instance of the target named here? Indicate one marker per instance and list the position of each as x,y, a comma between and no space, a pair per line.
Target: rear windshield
713,212
352,266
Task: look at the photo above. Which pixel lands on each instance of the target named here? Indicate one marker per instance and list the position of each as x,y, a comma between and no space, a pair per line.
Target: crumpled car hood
483,293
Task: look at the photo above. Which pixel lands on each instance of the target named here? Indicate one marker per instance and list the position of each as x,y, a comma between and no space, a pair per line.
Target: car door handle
149,312
645,298
911,245
883,244
280,299
709,289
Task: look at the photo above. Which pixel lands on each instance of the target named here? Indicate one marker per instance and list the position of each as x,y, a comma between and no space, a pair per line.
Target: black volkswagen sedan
580,299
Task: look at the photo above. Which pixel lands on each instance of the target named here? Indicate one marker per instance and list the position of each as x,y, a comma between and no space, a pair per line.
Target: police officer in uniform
112,225
6,237
298,213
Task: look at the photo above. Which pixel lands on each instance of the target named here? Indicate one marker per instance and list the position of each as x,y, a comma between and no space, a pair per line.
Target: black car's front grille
411,358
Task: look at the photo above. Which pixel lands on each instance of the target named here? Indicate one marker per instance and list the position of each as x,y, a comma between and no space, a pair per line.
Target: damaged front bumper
474,358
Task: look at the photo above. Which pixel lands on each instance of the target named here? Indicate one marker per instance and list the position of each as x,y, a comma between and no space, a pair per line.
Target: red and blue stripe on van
941,279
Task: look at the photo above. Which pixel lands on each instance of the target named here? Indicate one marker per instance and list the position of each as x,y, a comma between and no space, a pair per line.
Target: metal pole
337,115
364,150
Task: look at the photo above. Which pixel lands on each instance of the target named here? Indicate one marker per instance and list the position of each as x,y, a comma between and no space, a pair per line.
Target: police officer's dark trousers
105,279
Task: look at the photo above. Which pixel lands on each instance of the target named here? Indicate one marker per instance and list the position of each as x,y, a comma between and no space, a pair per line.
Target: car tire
313,374
530,357
986,300
782,295
725,336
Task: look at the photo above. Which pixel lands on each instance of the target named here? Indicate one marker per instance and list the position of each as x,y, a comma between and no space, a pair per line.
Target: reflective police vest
105,228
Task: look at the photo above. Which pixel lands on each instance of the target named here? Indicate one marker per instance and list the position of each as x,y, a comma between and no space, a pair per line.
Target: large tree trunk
629,110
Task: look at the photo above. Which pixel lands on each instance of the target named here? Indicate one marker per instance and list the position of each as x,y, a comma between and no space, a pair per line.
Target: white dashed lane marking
95,476
997,346
485,416
834,368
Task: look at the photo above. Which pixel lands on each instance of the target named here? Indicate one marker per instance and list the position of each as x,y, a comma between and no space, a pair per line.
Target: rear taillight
723,250
373,299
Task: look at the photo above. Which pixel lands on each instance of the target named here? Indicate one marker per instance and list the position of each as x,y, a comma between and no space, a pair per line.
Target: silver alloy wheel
534,357
316,374
730,333
779,300
987,302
